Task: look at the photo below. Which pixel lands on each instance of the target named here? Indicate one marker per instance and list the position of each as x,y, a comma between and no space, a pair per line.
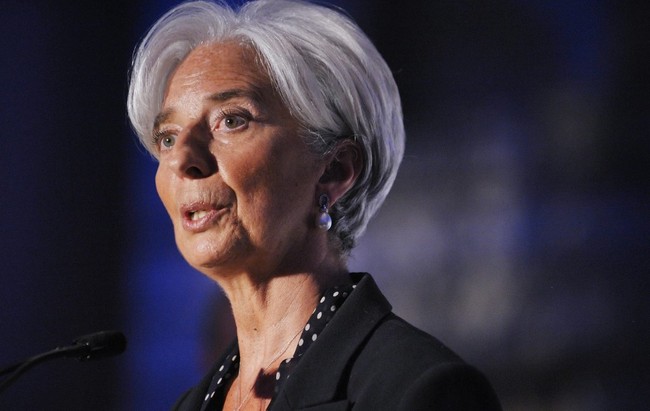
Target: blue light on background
517,230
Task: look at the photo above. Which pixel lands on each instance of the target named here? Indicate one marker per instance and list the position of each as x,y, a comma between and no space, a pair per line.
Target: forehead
221,65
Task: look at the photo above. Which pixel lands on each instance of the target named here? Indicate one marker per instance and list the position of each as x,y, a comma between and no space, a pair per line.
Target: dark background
518,229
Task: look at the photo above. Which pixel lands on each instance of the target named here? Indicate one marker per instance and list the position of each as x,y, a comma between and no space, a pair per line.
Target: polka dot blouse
328,305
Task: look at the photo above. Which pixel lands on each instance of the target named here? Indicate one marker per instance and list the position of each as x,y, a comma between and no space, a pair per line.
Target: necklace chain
276,356
279,353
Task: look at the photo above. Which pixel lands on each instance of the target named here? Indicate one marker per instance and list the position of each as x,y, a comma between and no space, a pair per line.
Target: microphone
89,347
98,345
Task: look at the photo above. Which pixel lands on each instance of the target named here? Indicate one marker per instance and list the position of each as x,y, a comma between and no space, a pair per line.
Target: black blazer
367,358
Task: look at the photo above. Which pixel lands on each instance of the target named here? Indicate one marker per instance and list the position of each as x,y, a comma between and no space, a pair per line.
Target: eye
233,122
163,141
168,141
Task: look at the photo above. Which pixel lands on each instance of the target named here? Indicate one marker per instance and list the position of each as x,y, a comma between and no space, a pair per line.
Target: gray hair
326,70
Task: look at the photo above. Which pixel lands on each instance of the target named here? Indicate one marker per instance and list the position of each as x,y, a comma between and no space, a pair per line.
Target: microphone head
100,345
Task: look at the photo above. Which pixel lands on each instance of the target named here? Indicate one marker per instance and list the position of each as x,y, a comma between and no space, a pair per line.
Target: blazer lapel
313,384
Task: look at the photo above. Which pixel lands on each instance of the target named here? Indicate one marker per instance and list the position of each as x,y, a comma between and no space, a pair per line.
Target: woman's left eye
168,141
233,122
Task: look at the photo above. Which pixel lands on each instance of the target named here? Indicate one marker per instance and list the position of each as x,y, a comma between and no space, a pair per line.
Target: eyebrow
253,94
161,118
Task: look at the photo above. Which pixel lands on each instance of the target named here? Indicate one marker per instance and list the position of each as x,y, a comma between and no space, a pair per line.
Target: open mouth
200,216
197,215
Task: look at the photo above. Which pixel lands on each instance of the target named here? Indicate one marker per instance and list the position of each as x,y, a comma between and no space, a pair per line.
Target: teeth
198,214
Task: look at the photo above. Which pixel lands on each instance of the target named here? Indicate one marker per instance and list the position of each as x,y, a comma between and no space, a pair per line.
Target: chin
214,254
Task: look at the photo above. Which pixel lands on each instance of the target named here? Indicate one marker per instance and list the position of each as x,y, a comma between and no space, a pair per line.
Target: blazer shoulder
403,368
450,386
399,343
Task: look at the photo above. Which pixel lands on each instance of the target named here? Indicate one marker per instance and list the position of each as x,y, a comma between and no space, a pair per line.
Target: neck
270,307
271,312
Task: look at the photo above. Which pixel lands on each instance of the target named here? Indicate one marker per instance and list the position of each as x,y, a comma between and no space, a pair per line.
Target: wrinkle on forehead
204,61
217,72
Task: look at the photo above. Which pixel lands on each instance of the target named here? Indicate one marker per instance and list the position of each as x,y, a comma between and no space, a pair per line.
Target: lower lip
205,222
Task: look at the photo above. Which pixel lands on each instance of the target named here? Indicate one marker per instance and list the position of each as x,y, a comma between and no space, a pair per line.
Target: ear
342,170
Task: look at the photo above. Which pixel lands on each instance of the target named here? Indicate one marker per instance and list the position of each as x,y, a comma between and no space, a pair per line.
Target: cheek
247,171
286,192
162,187
258,193
272,183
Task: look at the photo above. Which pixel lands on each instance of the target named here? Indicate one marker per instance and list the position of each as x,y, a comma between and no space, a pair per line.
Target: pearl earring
324,221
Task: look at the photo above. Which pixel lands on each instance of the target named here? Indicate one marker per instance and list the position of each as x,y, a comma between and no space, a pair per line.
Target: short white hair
326,70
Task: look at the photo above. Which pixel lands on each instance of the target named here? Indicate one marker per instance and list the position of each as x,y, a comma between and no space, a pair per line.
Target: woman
278,132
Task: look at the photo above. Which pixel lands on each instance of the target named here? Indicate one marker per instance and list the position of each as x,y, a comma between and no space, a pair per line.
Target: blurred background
518,230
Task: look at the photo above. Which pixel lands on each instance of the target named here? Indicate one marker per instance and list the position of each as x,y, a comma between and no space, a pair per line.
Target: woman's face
235,177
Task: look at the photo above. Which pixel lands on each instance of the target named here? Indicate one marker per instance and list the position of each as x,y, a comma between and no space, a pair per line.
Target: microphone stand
20,368
97,345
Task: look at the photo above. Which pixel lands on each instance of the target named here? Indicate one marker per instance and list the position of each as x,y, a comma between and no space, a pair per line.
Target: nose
191,156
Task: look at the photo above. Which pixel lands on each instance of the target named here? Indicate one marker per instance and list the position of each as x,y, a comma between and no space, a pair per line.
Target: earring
324,221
